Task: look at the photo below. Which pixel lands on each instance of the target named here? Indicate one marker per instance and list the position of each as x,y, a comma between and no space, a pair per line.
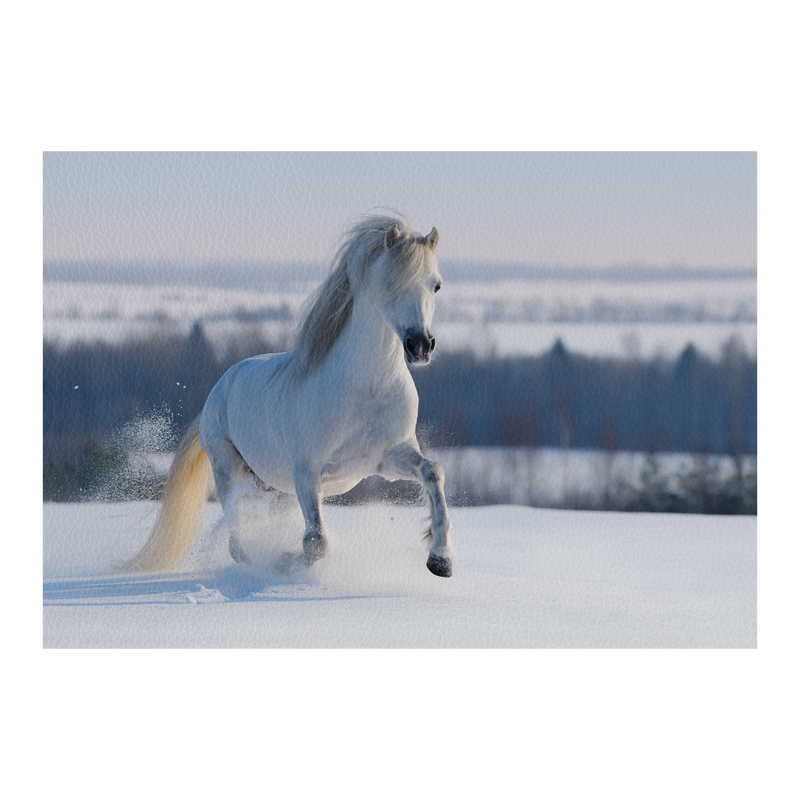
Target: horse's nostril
419,346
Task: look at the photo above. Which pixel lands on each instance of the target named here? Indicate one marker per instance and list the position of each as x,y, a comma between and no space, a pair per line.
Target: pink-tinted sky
569,209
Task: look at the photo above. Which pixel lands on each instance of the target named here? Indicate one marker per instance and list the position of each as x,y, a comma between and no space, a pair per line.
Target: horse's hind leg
230,472
237,551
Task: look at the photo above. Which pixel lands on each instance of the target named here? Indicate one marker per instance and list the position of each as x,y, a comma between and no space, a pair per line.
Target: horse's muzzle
418,347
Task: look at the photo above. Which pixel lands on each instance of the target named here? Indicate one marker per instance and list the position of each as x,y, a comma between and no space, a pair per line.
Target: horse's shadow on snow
240,583
123,586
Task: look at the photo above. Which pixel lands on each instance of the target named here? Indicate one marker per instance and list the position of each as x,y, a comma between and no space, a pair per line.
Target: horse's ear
432,239
392,235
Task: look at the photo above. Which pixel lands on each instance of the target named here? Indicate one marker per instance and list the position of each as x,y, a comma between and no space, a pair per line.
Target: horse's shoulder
264,365
263,360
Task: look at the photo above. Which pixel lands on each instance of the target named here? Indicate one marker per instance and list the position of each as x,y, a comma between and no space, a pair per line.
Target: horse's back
244,408
265,367
256,381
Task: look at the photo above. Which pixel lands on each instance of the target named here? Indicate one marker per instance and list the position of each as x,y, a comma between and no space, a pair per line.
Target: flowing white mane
331,305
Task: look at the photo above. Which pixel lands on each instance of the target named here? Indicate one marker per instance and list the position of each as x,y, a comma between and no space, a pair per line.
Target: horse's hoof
314,547
438,565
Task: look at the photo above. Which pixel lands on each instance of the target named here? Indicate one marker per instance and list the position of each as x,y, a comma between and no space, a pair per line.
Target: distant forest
693,404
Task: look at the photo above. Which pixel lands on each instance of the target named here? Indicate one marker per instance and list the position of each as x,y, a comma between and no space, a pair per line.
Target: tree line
693,404
560,399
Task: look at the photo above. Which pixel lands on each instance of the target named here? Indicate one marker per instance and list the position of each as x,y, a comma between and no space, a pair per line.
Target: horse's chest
371,428
374,427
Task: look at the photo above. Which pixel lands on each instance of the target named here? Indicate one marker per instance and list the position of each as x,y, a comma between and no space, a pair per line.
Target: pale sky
556,209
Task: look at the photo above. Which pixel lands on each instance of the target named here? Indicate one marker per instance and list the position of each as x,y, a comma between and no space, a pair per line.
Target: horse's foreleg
406,462
308,488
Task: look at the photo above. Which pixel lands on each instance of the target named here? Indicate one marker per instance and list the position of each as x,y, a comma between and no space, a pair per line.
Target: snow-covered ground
523,578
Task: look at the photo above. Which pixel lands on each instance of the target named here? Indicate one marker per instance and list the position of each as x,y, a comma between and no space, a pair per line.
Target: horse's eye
437,287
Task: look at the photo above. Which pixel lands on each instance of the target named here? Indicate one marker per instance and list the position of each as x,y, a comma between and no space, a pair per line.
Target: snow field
523,578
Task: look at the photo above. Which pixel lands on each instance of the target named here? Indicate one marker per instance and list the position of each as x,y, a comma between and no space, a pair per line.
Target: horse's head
409,275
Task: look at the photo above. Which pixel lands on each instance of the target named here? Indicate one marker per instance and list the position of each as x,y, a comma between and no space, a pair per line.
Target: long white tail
183,507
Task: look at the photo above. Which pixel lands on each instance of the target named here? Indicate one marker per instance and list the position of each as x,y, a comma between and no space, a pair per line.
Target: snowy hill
507,317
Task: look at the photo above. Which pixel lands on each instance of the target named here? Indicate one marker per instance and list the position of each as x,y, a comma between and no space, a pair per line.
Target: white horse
315,421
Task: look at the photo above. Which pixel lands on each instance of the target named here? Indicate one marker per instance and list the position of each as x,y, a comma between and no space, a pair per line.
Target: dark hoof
314,547
443,567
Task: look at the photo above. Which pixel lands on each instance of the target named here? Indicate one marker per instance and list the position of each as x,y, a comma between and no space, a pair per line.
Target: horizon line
236,270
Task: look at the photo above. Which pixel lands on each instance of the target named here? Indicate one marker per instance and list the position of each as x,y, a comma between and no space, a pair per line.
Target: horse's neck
370,348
